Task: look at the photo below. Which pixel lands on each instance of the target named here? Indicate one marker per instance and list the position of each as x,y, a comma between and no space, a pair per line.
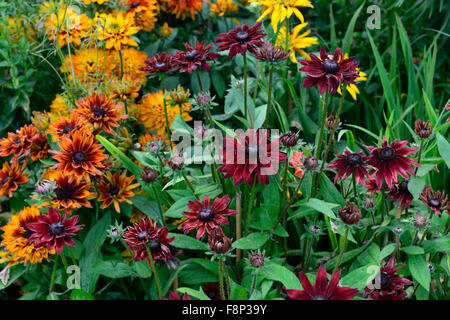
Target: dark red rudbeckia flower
212,290
251,155
348,163
241,39
159,63
328,71
194,57
372,186
205,217
435,200
399,192
147,234
53,230
322,290
391,160
174,296
387,285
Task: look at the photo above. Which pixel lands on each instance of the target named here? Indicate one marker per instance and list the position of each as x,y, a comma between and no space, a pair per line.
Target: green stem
269,98
354,185
187,181
221,267
159,204
155,273
227,280
163,87
250,206
419,155
319,141
199,80
52,279
255,279
344,244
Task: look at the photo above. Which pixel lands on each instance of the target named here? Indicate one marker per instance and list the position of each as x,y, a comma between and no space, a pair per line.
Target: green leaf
430,110
142,269
252,241
199,294
276,272
419,270
112,269
415,186
176,210
237,292
93,243
444,148
437,245
181,126
147,206
127,162
80,294
347,41
14,273
172,277
322,206
360,278
185,242
329,191
413,250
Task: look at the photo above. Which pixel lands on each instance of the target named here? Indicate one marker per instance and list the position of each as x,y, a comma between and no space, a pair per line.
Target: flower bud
218,242
423,129
203,99
369,203
149,175
40,120
153,147
176,162
44,187
331,122
420,221
311,163
350,213
289,139
257,260
199,132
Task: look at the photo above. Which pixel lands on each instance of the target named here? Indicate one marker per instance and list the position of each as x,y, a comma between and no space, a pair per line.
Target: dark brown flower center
190,55
206,214
242,36
56,228
354,160
79,156
211,294
387,154
63,193
330,66
67,129
435,203
160,64
134,5
154,246
28,233
319,297
403,186
99,112
142,236
114,191
251,152
384,280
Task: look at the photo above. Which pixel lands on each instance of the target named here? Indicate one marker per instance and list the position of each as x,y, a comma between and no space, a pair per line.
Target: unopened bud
176,162
311,163
218,242
149,175
257,260
420,221
289,139
44,187
369,203
350,213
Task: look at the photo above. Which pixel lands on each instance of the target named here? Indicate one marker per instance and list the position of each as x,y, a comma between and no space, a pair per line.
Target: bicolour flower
241,39
350,163
328,71
54,230
391,160
162,62
322,290
205,217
